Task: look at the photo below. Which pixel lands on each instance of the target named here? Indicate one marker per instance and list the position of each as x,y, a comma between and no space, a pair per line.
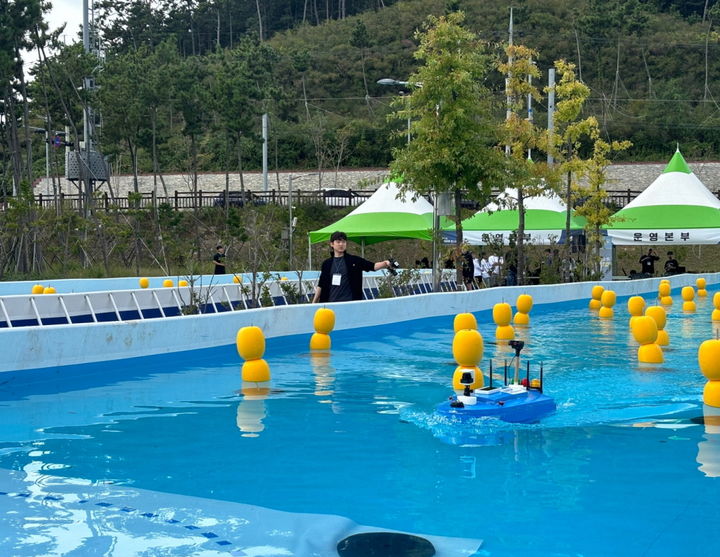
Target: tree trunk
458,237
568,203
260,23
520,237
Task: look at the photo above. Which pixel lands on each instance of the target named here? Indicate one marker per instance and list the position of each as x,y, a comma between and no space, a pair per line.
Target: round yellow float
701,284
596,294
607,300
636,306
660,316
323,323
464,321
467,348
524,304
38,289
167,283
49,290
716,304
502,314
250,343
709,362
144,282
688,296
645,331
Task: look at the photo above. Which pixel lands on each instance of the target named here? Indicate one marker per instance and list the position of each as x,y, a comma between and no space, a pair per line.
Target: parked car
339,198
238,199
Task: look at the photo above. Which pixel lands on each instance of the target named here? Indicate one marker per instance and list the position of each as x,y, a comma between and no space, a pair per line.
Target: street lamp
436,215
292,221
390,81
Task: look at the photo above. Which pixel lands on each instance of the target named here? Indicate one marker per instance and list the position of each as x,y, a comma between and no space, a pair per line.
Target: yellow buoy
664,293
167,283
716,304
607,300
502,314
688,296
636,306
144,282
49,290
660,317
464,321
182,283
38,289
709,362
250,343
467,348
323,322
237,279
645,331
701,284
596,294
524,304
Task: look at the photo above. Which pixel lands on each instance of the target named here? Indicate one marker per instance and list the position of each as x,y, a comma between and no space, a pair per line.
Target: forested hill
182,84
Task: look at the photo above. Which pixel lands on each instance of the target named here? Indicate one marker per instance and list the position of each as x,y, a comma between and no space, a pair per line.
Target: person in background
467,269
672,267
495,263
219,260
647,263
477,272
341,275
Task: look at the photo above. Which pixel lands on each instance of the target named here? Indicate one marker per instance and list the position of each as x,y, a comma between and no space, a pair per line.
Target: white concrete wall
41,347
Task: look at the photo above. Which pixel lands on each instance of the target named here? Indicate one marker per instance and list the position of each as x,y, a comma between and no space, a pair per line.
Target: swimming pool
624,467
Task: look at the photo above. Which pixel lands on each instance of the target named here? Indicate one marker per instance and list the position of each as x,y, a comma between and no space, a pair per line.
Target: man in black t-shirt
672,267
219,259
647,262
341,275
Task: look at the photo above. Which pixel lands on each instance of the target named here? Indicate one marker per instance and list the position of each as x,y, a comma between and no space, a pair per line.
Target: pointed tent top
677,164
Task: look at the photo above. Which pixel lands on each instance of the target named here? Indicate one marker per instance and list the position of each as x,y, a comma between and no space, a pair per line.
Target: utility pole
551,113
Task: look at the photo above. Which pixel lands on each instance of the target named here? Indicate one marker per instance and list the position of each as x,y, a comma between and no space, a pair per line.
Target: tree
454,146
520,135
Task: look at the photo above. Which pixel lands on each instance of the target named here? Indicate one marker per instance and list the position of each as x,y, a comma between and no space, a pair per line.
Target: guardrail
153,303
184,200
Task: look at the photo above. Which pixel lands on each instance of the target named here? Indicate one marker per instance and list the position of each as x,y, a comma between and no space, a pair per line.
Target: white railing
155,303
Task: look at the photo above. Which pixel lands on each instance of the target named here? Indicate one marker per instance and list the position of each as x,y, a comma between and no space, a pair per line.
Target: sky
66,11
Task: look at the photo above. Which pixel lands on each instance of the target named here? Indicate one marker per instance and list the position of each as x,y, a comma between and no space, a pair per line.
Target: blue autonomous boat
517,402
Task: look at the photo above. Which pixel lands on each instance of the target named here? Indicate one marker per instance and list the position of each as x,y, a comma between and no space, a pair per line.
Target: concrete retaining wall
635,177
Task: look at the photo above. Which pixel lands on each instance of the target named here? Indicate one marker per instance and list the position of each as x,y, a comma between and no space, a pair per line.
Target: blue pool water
626,466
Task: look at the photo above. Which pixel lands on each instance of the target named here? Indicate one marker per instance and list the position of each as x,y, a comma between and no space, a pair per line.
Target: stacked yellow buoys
660,317
502,315
524,305
167,283
250,344
144,282
607,300
716,303
701,284
645,331
688,296
596,294
467,348
709,361
664,293
636,306
464,321
40,289
323,322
